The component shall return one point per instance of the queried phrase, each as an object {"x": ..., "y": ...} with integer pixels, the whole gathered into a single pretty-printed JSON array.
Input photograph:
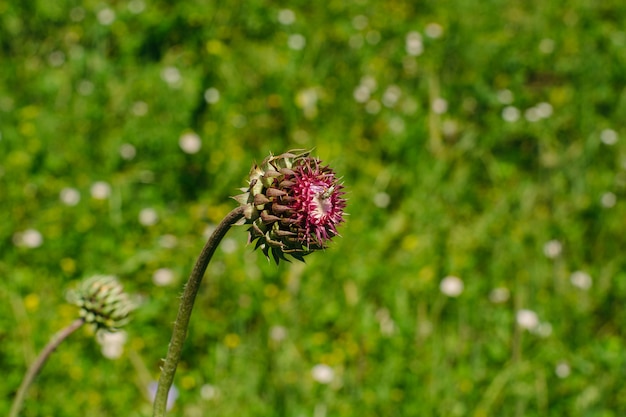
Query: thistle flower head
[
  {"x": 293, "y": 204},
  {"x": 102, "y": 302}
]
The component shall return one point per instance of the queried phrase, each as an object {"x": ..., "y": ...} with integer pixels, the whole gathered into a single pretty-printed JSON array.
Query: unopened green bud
[{"x": 102, "y": 302}]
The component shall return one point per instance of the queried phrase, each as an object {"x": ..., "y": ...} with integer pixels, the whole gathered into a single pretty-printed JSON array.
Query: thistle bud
[
  {"x": 293, "y": 204},
  {"x": 102, "y": 302}
]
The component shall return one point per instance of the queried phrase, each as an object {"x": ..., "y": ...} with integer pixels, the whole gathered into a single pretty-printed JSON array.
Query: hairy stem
[
  {"x": 35, "y": 368},
  {"x": 184, "y": 311}
]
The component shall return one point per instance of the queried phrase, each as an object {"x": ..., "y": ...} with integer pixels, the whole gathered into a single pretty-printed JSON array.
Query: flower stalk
[
  {"x": 36, "y": 367},
  {"x": 179, "y": 333}
]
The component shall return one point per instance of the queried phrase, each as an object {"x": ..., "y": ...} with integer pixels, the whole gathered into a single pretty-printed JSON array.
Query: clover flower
[
  {"x": 102, "y": 302},
  {"x": 293, "y": 204}
]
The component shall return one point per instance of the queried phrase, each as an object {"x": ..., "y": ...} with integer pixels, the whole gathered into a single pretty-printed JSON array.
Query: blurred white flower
[
  {"x": 397, "y": 125},
  {"x": 433, "y": 30},
  {"x": 296, "y": 41},
  {"x": 439, "y": 105},
  {"x": 127, "y": 151},
  {"x": 532, "y": 115},
  {"x": 381, "y": 199},
  {"x": 229, "y": 245},
  {"x": 451, "y": 286},
  {"x": 190, "y": 143},
  {"x": 85, "y": 87},
  {"x": 499, "y": 295},
  {"x": 212, "y": 95},
  {"x": 286, "y": 17},
  {"x": 450, "y": 128},
  {"x": 136, "y": 6},
  {"x": 552, "y": 249},
  {"x": 544, "y": 110},
  {"x": 608, "y": 199},
  {"x": 391, "y": 95},
  {"x": 581, "y": 279},
  {"x": 510, "y": 114},
  {"x": 163, "y": 277},
  {"x": 608, "y": 137},
  {"x": 413, "y": 44},
  {"x": 505, "y": 96},
  {"x": 527, "y": 319},
  {"x": 140, "y": 108},
  {"x": 106, "y": 16},
  {"x": 56, "y": 58},
  {"x": 360, "y": 22},
  {"x": 209, "y": 392},
  {"x": 540, "y": 111},
  {"x": 307, "y": 99},
  {"x": 562, "y": 370},
  {"x": 369, "y": 82},
  {"x": 323, "y": 373},
  {"x": 361, "y": 93},
  {"x": 69, "y": 196},
  {"x": 208, "y": 230},
  {"x": 112, "y": 343},
  {"x": 29, "y": 238},
  {"x": 168, "y": 241},
  {"x": 171, "y": 75},
  {"x": 278, "y": 333},
  {"x": 148, "y": 216},
  {"x": 100, "y": 190}
]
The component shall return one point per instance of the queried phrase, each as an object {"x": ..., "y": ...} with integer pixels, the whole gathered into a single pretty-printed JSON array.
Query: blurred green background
[{"x": 481, "y": 269}]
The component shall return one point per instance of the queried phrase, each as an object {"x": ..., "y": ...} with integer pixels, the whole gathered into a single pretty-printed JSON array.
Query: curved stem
[
  {"x": 35, "y": 368},
  {"x": 184, "y": 311}
]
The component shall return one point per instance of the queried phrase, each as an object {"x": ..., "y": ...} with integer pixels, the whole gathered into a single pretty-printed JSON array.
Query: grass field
[{"x": 481, "y": 271}]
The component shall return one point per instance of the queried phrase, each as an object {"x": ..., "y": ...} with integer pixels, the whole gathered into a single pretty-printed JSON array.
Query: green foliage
[{"x": 520, "y": 152}]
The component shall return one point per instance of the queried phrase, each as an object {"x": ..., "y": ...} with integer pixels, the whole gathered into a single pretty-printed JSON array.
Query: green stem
[
  {"x": 35, "y": 368},
  {"x": 179, "y": 333}
]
